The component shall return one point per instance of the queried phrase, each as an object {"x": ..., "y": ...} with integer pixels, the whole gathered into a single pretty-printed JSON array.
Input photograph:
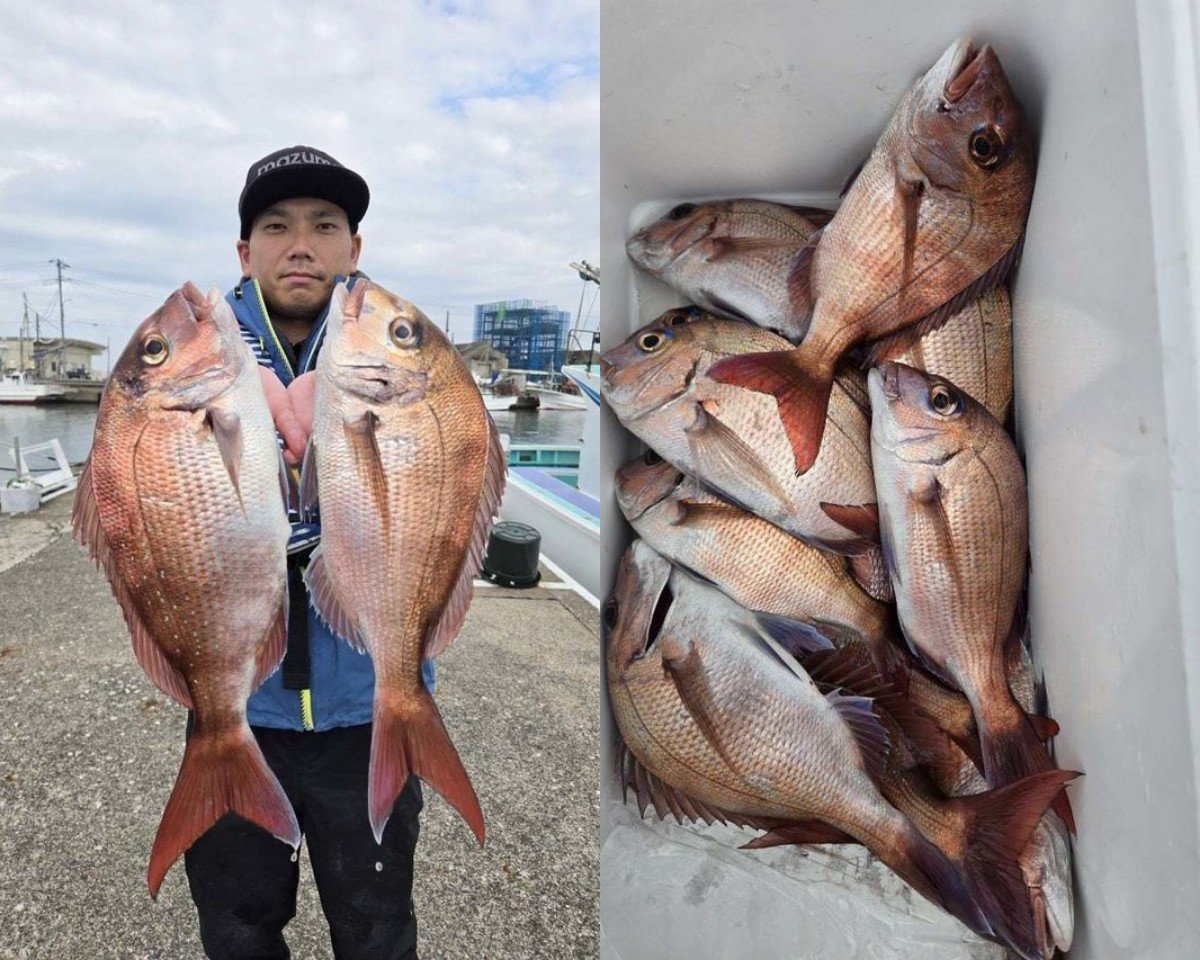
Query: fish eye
[
  {"x": 155, "y": 350},
  {"x": 944, "y": 400},
  {"x": 405, "y": 333},
  {"x": 611, "y": 612},
  {"x": 681, "y": 211},
  {"x": 986, "y": 146},
  {"x": 651, "y": 342},
  {"x": 677, "y": 319},
  {"x": 650, "y": 458}
]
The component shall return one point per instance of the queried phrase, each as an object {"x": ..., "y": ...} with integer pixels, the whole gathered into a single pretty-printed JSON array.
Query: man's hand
[{"x": 293, "y": 428}]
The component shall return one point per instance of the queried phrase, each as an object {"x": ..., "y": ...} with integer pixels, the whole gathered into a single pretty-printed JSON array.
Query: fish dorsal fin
[
  {"x": 308, "y": 483},
  {"x": 226, "y": 426},
  {"x": 799, "y": 280},
  {"x": 287, "y": 486},
  {"x": 328, "y": 603},
  {"x": 713, "y": 442},
  {"x": 85, "y": 525},
  {"x": 900, "y": 341},
  {"x": 849, "y": 668},
  {"x": 867, "y": 729},
  {"x": 494, "y": 473},
  {"x": 652, "y": 791}
]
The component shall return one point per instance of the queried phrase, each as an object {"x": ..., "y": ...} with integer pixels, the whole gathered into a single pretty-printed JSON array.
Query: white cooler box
[{"x": 707, "y": 98}]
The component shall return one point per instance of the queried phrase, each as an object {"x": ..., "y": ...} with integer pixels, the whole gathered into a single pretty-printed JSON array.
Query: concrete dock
[{"x": 89, "y": 749}]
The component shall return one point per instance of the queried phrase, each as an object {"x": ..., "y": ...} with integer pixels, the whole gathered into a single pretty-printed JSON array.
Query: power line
[{"x": 104, "y": 286}]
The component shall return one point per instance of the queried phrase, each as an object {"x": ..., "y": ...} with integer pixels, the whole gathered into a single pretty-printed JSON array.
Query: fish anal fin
[
  {"x": 89, "y": 533},
  {"x": 713, "y": 442},
  {"x": 900, "y": 341},
  {"x": 802, "y": 397},
  {"x": 328, "y": 603},
  {"x": 446, "y": 628},
  {"x": 686, "y": 670},
  {"x": 849, "y": 668},
  {"x": 220, "y": 774},
  {"x": 274, "y": 645},
  {"x": 411, "y": 738},
  {"x": 226, "y": 427},
  {"x": 861, "y": 519},
  {"x": 799, "y": 832}
]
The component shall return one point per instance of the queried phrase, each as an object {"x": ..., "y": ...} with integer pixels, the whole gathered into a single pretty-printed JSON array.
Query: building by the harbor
[
  {"x": 485, "y": 361},
  {"x": 531, "y": 334},
  {"x": 71, "y": 360}
]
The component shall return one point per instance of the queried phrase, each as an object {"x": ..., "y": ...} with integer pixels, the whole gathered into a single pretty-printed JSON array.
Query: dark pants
[{"x": 243, "y": 880}]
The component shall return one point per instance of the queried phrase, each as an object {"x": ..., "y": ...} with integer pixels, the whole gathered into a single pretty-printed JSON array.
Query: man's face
[{"x": 296, "y": 248}]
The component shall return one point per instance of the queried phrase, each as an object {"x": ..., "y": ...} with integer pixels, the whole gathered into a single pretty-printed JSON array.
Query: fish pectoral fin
[
  {"x": 691, "y": 680},
  {"x": 88, "y": 532},
  {"x": 227, "y": 429},
  {"x": 719, "y": 247},
  {"x": 495, "y": 473},
  {"x": 797, "y": 637},
  {"x": 714, "y": 443},
  {"x": 328, "y": 603},
  {"x": 869, "y": 733},
  {"x": 308, "y": 483},
  {"x": 364, "y": 446},
  {"x": 698, "y": 514},
  {"x": 862, "y": 518}
]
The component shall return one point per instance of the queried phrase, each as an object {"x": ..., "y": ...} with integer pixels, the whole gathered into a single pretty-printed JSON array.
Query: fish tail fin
[
  {"x": 1012, "y": 750},
  {"x": 222, "y": 772},
  {"x": 411, "y": 738},
  {"x": 999, "y": 826},
  {"x": 801, "y": 392},
  {"x": 933, "y": 875}
]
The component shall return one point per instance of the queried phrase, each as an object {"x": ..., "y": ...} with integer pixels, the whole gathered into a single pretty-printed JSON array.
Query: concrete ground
[{"x": 89, "y": 750}]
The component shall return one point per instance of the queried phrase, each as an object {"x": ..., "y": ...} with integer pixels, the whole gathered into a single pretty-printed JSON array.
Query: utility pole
[
  {"x": 62, "y": 320},
  {"x": 24, "y": 327}
]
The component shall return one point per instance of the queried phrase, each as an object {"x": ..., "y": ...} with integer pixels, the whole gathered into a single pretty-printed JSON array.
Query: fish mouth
[{"x": 965, "y": 68}]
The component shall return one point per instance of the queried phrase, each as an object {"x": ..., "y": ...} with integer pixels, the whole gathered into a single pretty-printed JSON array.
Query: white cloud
[{"x": 127, "y": 137}]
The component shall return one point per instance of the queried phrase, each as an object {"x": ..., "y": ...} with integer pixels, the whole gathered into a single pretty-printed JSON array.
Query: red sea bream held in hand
[
  {"x": 181, "y": 504},
  {"x": 409, "y": 471}
]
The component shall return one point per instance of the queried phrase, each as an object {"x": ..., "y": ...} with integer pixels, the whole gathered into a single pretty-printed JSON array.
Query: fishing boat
[{"x": 15, "y": 388}]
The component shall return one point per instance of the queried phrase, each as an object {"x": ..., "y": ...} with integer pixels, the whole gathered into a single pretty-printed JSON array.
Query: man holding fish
[{"x": 299, "y": 212}]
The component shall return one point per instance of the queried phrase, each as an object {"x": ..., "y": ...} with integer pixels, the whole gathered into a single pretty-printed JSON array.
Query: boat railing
[{"x": 52, "y": 481}]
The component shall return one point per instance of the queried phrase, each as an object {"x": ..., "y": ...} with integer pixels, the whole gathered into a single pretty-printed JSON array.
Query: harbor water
[{"x": 73, "y": 425}]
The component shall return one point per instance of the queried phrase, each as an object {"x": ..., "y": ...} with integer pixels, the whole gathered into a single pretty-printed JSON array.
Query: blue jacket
[{"x": 342, "y": 681}]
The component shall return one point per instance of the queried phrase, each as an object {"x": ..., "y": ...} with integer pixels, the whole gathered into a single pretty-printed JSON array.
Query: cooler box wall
[{"x": 706, "y": 99}]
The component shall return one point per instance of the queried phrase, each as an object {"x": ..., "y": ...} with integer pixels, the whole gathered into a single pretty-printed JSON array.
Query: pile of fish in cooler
[{"x": 820, "y": 632}]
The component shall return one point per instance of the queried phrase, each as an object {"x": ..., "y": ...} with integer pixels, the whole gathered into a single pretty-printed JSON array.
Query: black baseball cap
[{"x": 301, "y": 172}]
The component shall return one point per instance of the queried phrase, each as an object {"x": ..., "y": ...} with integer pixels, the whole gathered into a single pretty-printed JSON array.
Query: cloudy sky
[{"x": 125, "y": 140}]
